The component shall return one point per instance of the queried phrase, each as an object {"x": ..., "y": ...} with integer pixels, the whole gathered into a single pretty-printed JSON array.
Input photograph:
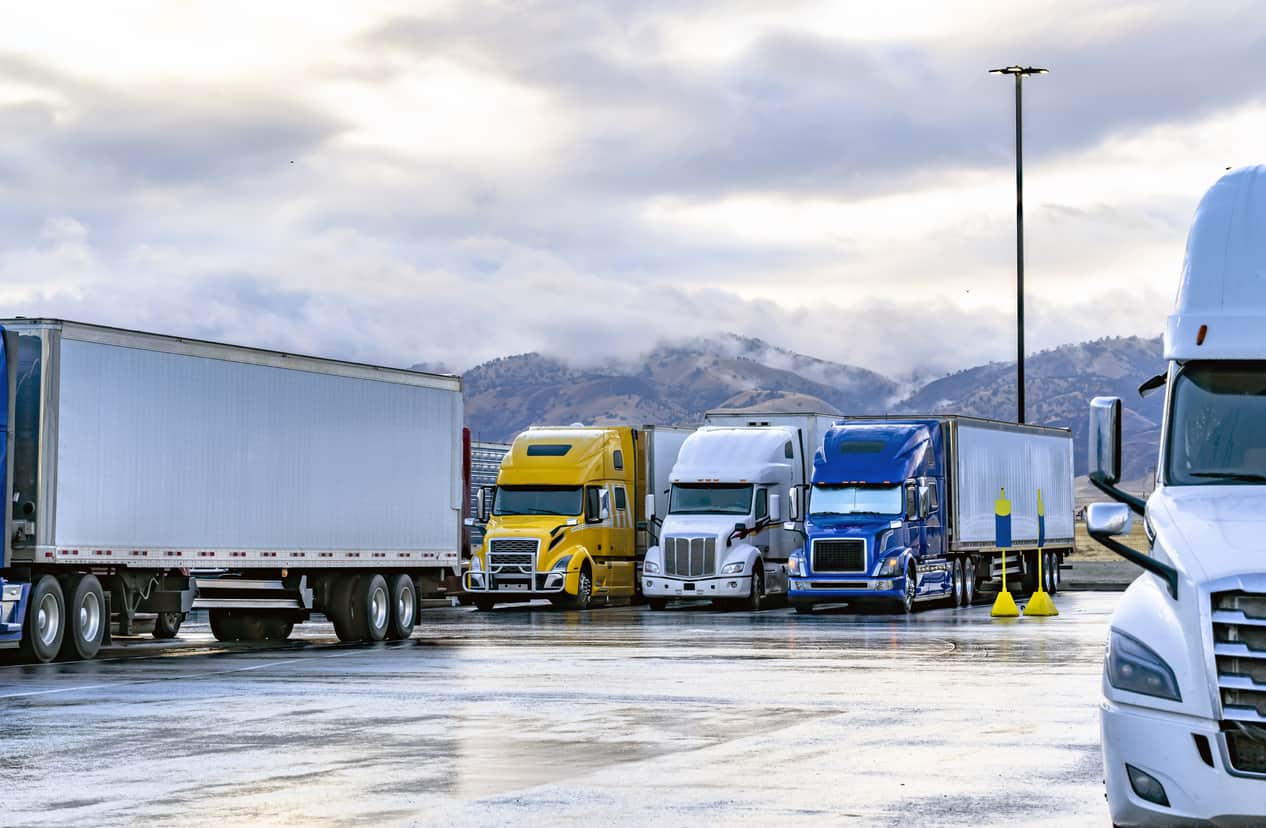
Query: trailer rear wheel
[
  {"x": 969, "y": 581},
  {"x": 225, "y": 625},
  {"x": 85, "y": 617},
  {"x": 167, "y": 624},
  {"x": 960, "y": 587},
  {"x": 404, "y": 607},
  {"x": 370, "y": 607},
  {"x": 338, "y": 604},
  {"x": 45, "y": 621},
  {"x": 275, "y": 627}
]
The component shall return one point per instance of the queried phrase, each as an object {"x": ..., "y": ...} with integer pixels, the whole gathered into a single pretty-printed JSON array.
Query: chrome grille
[
  {"x": 1239, "y": 648},
  {"x": 690, "y": 557},
  {"x": 513, "y": 545},
  {"x": 839, "y": 555}
]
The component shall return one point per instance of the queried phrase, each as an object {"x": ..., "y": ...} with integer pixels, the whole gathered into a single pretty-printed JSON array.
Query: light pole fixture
[{"x": 1019, "y": 72}]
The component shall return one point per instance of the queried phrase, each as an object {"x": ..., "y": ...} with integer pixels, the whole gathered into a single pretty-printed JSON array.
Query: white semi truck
[
  {"x": 732, "y": 488},
  {"x": 1184, "y": 708},
  {"x": 155, "y": 474}
]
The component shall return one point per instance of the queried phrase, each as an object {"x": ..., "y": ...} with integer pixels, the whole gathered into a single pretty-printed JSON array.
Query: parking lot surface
[{"x": 530, "y": 715}]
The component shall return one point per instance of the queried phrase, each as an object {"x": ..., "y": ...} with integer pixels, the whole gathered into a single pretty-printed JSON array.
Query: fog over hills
[{"x": 674, "y": 383}]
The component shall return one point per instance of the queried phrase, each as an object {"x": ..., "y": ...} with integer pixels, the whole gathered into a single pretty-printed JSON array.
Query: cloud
[{"x": 586, "y": 180}]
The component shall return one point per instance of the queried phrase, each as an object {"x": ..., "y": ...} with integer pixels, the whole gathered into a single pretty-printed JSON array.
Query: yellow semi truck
[{"x": 567, "y": 518}]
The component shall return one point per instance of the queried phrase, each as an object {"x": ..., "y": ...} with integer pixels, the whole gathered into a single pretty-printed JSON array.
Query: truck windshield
[
  {"x": 710, "y": 499},
  {"x": 538, "y": 500},
  {"x": 855, "y": 500},
  {"x": 1217, "y": 431}
]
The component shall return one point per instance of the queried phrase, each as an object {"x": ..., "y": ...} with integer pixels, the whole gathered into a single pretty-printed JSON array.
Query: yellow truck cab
[{"x": 566, "y": 520}]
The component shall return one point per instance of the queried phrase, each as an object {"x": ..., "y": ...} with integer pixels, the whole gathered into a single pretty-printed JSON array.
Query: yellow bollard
[
  {"x": 1004, "y": 605},
  {"x": 1040, "y": 603}
]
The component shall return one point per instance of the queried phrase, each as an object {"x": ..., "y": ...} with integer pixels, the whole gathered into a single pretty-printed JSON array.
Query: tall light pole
[{"x": 1019, "y": 72}]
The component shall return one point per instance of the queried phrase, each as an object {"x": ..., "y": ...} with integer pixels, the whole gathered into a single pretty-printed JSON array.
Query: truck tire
[
  {"x": 657, "y": 604},
  {"x": 905, "y": 604},
  {"x": 959, "y": 585},
  {"x": 404, "y": 607},
  {"x": 584, "y": 591},
  {"x": 225, "y": 626},
  {"x": 167, "y": 624},
  {"x": 484, "y": 604},
  {"x": 338, "y": 604},
  {"x": 275, "y": 627},
  {"x": 969, "y": 581},
  {"x": 85, "y": 617},
  {"x": 45, "y": 621},
  {"x": 1057, "y": 560},
  {"x": 370, "y": 607},
  {"x": 752, "y": 602},
  {"x": 1029, "y": 580},
  {"x": 803, "y": 609}
]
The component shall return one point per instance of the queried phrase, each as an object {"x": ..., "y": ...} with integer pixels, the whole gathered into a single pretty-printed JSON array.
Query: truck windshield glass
[
  {"x": 538, "y": 500},
  {"x": 711, "y": 499},
  {"x": 856, "y": 500},
  {"x": 1217, "y": 433}
]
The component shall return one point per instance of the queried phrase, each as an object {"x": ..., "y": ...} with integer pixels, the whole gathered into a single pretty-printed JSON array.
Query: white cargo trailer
[{"x": 139, "y": 460}]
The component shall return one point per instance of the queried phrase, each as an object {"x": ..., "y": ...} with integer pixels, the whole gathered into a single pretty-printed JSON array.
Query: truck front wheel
[
  {"x": 45, "y": 621},
  {"x": 167, "y": 624},
  {"x": 584, "y": 590},
  {"x": 85, "y": 617},
  {"x": 905, "y": 604}
]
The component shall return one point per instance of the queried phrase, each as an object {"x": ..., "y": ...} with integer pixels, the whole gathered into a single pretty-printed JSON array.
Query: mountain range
[{"x": 676, "y": 382}]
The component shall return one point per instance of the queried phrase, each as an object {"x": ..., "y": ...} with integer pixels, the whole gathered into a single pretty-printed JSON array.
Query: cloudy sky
[{"x": 449, "y": 182}]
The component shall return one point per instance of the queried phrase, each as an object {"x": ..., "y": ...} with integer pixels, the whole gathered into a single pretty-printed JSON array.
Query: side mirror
[
  {"x": 793, "y": 508},
  {"x": 481, "y": 504},
  {"x": 1108, "y": 519},
  {"x": 912, "y": 502},
  {"x": 775, "y": 508},
  {"x": 1105, "y": 439},
  {"x": 650, "y": 506},
  {"x": 1104, "y": 451},
  {"x": 604, "y": 509},
  {"x": 925, "y": 502}
]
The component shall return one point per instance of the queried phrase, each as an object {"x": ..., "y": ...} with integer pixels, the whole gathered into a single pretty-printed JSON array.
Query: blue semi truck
[{"x": 902, "y": 511}]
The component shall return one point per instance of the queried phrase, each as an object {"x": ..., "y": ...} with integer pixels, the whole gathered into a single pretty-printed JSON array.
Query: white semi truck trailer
[
  {"x": 1184, "y": 686},
  {"x": 154, "y": 474}
]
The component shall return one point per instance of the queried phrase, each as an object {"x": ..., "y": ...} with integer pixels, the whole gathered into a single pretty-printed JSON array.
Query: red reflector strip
[{"x": 1200, "y": 334}]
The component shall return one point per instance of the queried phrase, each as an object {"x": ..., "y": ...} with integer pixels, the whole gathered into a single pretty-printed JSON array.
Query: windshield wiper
[{"x": 1247, "y": 477}]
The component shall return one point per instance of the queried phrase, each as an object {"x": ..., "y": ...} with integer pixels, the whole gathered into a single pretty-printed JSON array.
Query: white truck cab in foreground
[{"x": 1184, "y": 708}]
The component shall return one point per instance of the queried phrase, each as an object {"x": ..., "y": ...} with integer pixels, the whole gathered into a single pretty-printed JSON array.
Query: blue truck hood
[{"x": 850, "y": 527}]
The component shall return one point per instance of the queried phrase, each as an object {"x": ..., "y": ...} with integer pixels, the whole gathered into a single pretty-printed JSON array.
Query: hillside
[{"x": 675, "y": 383}]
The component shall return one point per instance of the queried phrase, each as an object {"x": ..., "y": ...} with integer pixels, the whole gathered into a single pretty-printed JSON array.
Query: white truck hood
[{"x": 1211, "y": 532}]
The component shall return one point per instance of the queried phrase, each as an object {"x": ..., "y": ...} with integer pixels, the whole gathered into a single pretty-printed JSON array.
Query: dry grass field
[{"x": 1089, "y": 550}]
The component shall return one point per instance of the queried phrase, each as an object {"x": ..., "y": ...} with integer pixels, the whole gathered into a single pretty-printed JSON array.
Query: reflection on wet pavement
[{"x": 532, "y": 715}]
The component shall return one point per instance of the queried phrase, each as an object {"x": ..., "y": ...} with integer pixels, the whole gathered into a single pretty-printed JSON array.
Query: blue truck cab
[{"x": 875, "y": 517}]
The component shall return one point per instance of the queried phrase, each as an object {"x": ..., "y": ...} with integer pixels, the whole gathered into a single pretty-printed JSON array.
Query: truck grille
[
  {"x": 839, "y": 555},
  {"x": 690, "y": 557},
  {"x": 1239, "y": 647},
  {"x": 512, "y": 554}
]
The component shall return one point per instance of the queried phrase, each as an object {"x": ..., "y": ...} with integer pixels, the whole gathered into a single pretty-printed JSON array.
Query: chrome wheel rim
[
  {"x": 969, "y": 582},
  {"x": 960, "y": 589},
  {"x": 89, "y": 618},
  {"x": 404, "y": 607},
  {"x": 48, "y": 620},
  {"x": 909, "y": 590},
  {"x": 378, "y": 604}
]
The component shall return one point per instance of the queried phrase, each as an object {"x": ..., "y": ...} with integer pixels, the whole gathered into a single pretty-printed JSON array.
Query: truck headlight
[
  {"x": 795, "y": 565},
  {"x": 733, "y": 568},
  {"x": 891, "y": 566},
  {"x": 651, "y": 567},
  {"x": 561, "y": 563},
  {"x": 1132, "y": 665}
]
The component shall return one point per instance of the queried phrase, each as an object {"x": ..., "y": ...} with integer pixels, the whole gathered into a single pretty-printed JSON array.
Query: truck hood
[
  {"x": 1210, "y": 532},
  {"x": 718, "y": 526},
  {"x": 851, "y": 527}
]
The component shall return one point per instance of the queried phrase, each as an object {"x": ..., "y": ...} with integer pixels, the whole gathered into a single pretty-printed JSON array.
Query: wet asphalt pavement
[{"x": 537, "y": 716}]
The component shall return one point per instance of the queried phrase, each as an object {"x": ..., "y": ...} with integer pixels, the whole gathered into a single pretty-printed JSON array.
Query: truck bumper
[
  {"x": 1165, "y": 746},
  {"x": 835, "y": 589},
  {"x": 721, "y": 586},
  {"x": 543, "y": 585}
]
